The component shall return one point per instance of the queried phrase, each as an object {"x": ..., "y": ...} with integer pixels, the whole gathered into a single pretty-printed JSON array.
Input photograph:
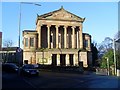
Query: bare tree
[
  {"x": 8, "y": 43},
  {"x": 105, "y": 46}
]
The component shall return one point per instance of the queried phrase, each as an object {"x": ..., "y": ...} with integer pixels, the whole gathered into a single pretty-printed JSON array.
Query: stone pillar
[
  {"x": 52, "y": 40},
  {"x": 35, "y": 42},
  {"x": 39, "y": 36},
  {"x": 73, "y": 37},
  {"x": 58, "y": 59},
  {"x": 77, "y": 39},
  {"x": 89, "y": 43},
  {"x": 65, "y": 36},
  {"x": 48, "y": 34},
  {"x": 80, "y": 37},
  {"x": 57, "y": 36},
  {"x": 59, "y": 46},
  {"x": 28, "y": 42},
  {"x": 74, "y": 61},
  {"x": 67, "y": 60}
]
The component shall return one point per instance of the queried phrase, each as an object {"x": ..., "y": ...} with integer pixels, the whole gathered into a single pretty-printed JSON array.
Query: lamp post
[
  {"x": 114, "y": 56},
  {"x": 20, "y": 18},
  {"x": 108, "y": 66},
  {"x": 20, "y": 25}
]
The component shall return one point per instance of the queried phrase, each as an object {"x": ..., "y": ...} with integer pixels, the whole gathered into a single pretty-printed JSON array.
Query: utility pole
[{"x": 114, "y": 56}]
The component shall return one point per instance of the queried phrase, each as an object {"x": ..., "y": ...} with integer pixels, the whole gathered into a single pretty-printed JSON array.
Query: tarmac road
[{"x": 59, "y": 80}]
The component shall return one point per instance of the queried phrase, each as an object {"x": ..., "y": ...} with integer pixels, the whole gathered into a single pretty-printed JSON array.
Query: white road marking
[{"x": 29, "y": 83}]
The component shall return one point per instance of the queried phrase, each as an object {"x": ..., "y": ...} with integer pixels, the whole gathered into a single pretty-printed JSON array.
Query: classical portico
[{"x": 58, "y": 38}]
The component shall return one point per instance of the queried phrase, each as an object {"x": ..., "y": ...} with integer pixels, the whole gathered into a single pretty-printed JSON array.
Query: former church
[{"x": 58, "y": 40}]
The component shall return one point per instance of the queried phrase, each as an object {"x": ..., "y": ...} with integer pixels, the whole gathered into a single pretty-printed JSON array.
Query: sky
[{"x": 101, "y": 17}]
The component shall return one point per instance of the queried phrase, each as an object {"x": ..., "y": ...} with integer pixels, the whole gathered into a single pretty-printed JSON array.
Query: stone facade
[{"x": 57, "y": 40}]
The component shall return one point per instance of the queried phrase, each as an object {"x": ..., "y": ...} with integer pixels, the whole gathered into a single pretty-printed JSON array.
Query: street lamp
[
  {"x": 114, "y": 55},
  {"x": 108, "y": 66},
  {"x": 20, "y": 24},
  {"x": 20, "y": 17}
]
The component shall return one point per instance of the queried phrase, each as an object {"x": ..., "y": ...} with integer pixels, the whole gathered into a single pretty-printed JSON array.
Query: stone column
[
  {"x": 80, "y": 37},
  {"x": 58, "y": 59},
  {"x": 48, "y": 34},
  {"x": 67, "y": 60},
  {"x": 65, "y": 36},
  {"x": 59, "y": 46},
  {"x": 77, "y": 39},
  {"x": 39, "y": 36},
  {"x": 28, "y": 42},
  {"x": 89, "y": 43},
  {"x": 56, "y": 36},
  {"x": 73, "y": 37},
  {"x": 52, "y": 40},
  {"x": 74, "y": 61},
  {"x": 35, "y": 42}
]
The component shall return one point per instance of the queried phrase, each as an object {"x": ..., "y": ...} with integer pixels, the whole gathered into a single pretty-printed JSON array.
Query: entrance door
[
  {"x": 71, "y": 59},
  {"x": 62, "y": 59},
  {"x": 54, "y": 59}
]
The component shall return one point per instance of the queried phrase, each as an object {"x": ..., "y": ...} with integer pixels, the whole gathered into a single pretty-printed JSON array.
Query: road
[{"x": 59, "y": 80}]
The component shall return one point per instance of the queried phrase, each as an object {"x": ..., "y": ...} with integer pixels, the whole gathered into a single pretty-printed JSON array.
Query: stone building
[
  {"x": 58, "y": 40},
  {"x": 12, "y": 55}
]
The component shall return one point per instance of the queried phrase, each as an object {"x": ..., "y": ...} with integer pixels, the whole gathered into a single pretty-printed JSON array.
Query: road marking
[{"x": 29, "y": 83}]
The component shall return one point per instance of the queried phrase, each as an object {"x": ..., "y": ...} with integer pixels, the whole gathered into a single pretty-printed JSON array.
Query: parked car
[
  {"x": 10, "y": 67},
  {"x": 29, "y": 70}
]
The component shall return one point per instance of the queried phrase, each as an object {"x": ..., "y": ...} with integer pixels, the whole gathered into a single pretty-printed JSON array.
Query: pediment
[{"x": 61, "y": 14}]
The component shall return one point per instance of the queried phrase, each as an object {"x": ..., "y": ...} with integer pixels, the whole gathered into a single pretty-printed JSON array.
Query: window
[
  {"x": 26, "y": 42},
  {"x": 31, "y": 42},
  {"x": 86, "y": 43}
]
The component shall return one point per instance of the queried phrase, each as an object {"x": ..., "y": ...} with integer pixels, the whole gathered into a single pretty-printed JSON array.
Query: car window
[{"x": 28, "y": 67}]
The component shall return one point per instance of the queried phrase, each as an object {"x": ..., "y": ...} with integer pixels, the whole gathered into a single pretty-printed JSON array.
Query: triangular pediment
[{"x": 61, "y": 14}]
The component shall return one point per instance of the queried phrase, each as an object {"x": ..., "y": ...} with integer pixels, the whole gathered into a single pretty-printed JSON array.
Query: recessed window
[
  {"x": 86, "y": 43},
  {"x": 26, "y": 42},
  {"x": 31, "y": 42}
]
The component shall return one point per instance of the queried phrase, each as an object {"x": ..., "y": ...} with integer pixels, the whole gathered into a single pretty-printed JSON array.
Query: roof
[
  {"x": 9, "y": 48},
  {"x": 87, "y": 34},
  {"x": 29, "y": 31},
  {"x": 60, "y": 14}
]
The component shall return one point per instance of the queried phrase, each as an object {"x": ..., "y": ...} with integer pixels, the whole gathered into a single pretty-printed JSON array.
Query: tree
[
  {"x": 8, "y": 43},
  {"x": 105, "y": 46},
  {"x": 110, "y": 56}
]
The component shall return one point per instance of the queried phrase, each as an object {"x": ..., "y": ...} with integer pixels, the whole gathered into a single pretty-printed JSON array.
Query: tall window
[
  {"x": 31, "y": 42},
  {"x": 86, "y": 43},
  {"x": 26, "y": 42}
]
